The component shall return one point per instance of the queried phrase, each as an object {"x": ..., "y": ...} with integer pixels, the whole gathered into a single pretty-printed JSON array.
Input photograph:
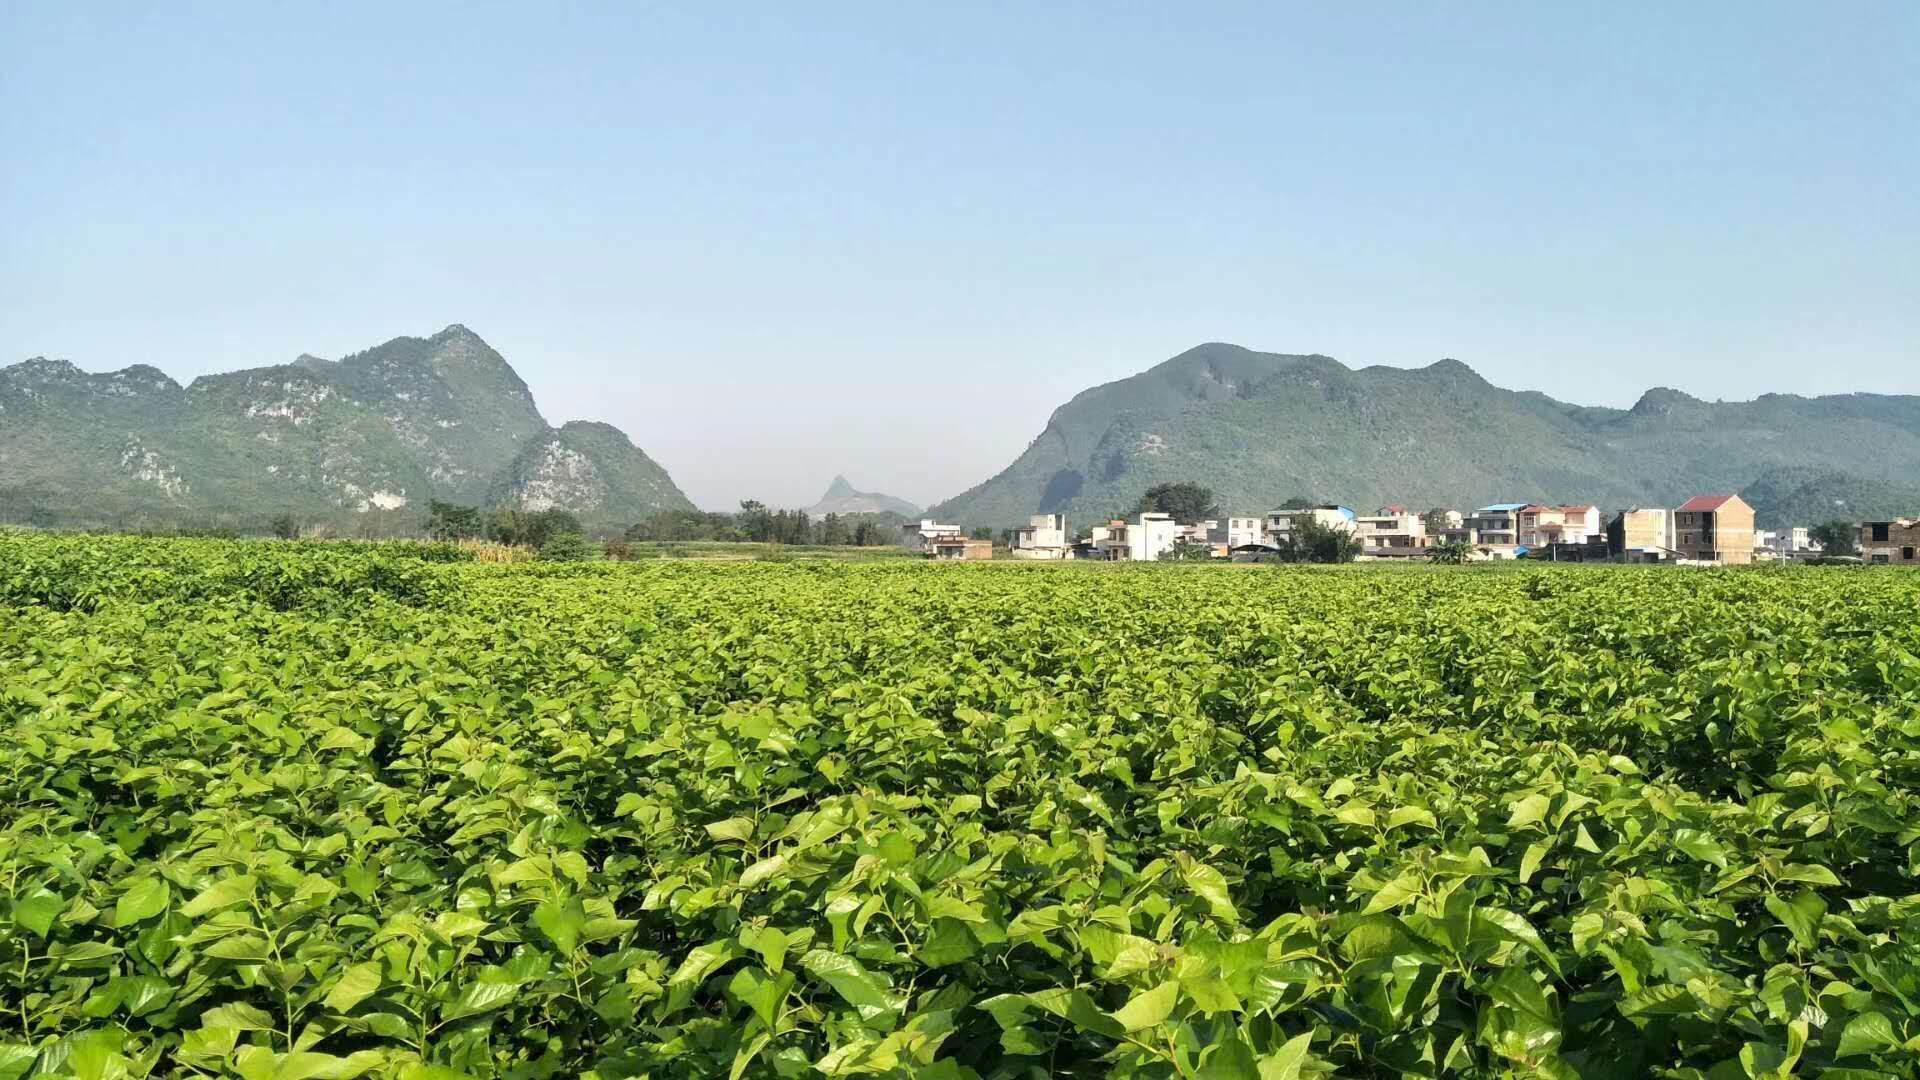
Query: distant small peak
[
  {"x": 1662, "y": 400},
  {"x": 1205, "y": 352},
  {"x": 145, "y": 373},
  {"x": 1449, "y": 366},
  {"x": 456, "y": 331},
  {"x": 840, "y": 488}
]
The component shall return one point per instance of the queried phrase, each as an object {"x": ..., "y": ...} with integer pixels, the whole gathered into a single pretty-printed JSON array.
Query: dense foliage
[
  {"x": 756, "y": 523},
  {"x": 1185, "y": 501},
  {"x": 1450, "y": 552},
  {"x": 679, "y": 820},
  {"x": 1836, "y": 537},
  {"x": 1797, "y": 495},
  {"x": 1311, "y": 542},
  {"x": 84, "y": 573}
]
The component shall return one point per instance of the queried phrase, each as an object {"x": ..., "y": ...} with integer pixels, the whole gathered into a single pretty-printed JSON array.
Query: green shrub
[{"x": 568, "y": 547}]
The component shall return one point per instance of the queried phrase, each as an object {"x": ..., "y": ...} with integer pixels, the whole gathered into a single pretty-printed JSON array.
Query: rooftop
[{"x": 1701, "y": 504}]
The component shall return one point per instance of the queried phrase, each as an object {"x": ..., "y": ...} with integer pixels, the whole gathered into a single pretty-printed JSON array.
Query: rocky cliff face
[
  {"x": 588, "y": 468},
  {"x": 443, "y": 417}
]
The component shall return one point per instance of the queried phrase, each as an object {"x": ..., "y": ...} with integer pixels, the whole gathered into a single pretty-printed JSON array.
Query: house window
[
  {"x": 1906, "y": 554},
  {"x": 1880, "y": 531},
  {"x": 1879, "y": 558}
]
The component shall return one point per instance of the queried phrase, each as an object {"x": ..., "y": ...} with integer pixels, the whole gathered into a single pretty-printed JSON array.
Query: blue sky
[{"x": 776, "y": 242}]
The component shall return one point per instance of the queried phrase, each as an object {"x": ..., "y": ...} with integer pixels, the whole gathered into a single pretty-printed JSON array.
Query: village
[{"x": 1707, "y": 530}]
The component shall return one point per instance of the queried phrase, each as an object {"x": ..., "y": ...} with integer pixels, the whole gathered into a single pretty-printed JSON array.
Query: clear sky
[{"x": 779, "y": 241}]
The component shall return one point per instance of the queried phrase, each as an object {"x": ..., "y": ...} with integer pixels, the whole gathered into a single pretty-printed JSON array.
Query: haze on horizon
[{"x": 774, "y": 244}]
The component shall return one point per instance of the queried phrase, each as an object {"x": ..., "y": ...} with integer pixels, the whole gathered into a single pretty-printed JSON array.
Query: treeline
[
  {"x": 757, "y": 523},
  {"x": 523, "y": 528},
  {"x": 754, "y": 523}
]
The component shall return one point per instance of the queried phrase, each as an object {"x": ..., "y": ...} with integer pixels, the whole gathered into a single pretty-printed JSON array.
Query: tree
[
  {"x": 451, "y": 521},
  {"x": 531, "y": 528},
  {"x": 754, "y": 521},
  {"x": 505, "y": 526},
  {"x": 1835, "y": 537},
  {"x": 1311, "y": 542},
  {"x": 285, "y": 526},
  {"x": 1298, "y": 502},
  {"x": 1450, "y": 552},
  {"x": 791, "y": 527},
  {"x": 567, "y": 547},
  {"x": 1183, "y": 500},
  {"x": 684, "y": 525},
  {"x": 1187, "y": 549},
  {"x": 981, "y": 532},
  {"x": 548, "y": 524}
]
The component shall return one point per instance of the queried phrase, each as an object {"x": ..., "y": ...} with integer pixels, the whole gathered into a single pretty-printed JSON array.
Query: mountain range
[
  {"x": 446, "y": 417},
  {"x": 443, "y": 417},
  {"x": 1258, "y": 428},
  {"x": 841, "y": 498}
]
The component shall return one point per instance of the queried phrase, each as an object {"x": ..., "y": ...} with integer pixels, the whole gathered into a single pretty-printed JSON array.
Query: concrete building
[
  {"x": 1892, "y": 543},
  {"x": 1540, "y": 525},
  {"x": 1642, "y": 535},
  {"x": 1203, "y": 533},
  {"x": 1281, "y": 523},
  {"x": 1237, "y": 532},
  {"x": 1397, "y": 531},
  {"x": 1714, "y": 528},
  {"x": 1142, "y": 540},
  {"x": 1497, "y": 525},
  {"x": 1782, "y": 543},
  {"x": 1044, "y": 536},
  {"x": 919, "y": 538},
  {"x": 954, "y": 548}
]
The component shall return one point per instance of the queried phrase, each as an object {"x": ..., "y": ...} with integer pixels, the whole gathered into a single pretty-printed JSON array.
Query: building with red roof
[{"x": 1714, "y": 528}]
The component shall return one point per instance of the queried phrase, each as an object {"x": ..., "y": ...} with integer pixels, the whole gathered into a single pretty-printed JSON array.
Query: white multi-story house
[
  {"x": 1782, "y": 543},
  {"x": 1044, "y": 536},
  {"x": 1235, "y": 532},
  {"x": 1142, "y": 540},
  {"x": 919, "y": 538}
]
